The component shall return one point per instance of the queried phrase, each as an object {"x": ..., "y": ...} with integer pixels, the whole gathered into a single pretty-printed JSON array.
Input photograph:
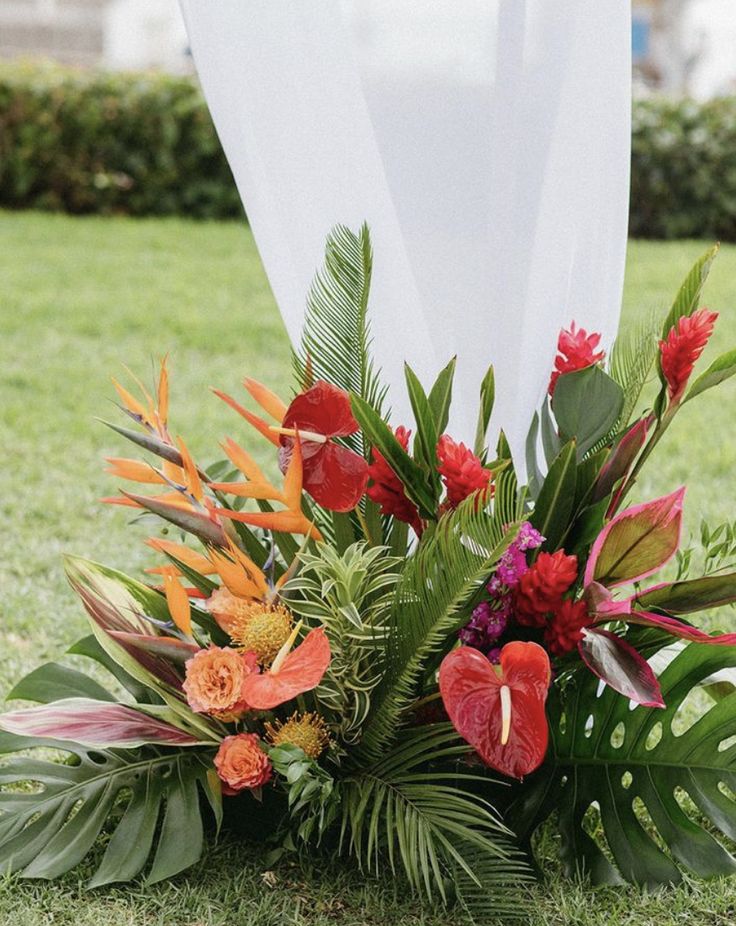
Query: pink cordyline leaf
[
  {"x": 621, "y": 459},
  {"x": 96, "y": 724},
  {"x": 679, "y": 628},
  {"x": 620, "y": 666},
  {"x": 637, "y": 542}
]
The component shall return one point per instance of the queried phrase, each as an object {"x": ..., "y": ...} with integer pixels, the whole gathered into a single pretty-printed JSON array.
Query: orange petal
[
  {"x": 268, "y": 400},
  {"x": 135, "y": 470},
  {"x": 260, "y": 490},
  {"x": 243, "y": 461},
  {"x": 257, "y": 575},
  {"x": 293, "y": 478},
  {"x": 302, "y": 670},
  {"x": 235, "y": 578},
  {"x": 163, "y": 393},
  {"x": 194, "y": 483},
  {"x": 178, "y": 602},
  {"x": 173, "y": 472},
  {"x": 132, "y": 404},
  {"x": 190, "y": 558},
  {"x": 258, "y": 423},
  {"x": 287, "y": 522}
]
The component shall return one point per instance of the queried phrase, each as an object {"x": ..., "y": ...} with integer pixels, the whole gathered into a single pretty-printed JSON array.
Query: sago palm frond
[
  {"x": 415, "y": 810},
  {"x": 439, "y": 582},
  {"x": 336, "y": 340}
]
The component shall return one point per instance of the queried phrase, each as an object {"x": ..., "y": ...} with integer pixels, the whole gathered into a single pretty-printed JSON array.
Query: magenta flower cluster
[{"x": 490, "y": 618}]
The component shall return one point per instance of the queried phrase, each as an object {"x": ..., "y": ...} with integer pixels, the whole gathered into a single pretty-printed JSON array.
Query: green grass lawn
[{"x": 81, "y": 297}]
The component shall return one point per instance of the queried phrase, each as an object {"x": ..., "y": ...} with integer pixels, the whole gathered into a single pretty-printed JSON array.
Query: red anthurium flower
[
  {"x": 292, "y": 672},
  {"x": 387, "y": 490},
  {"x": 461, "y": 470},
  {"x": 334, "y": 476},
  {"x": 500, "y": 710},
  {"x": 681, "y": 349},
  {"x": 576, "y": 350}
]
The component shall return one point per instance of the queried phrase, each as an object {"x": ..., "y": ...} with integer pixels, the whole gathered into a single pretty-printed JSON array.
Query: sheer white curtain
[{"x": 486, "y": 142}]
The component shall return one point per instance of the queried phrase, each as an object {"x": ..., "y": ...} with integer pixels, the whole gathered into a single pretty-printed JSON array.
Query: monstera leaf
[
  {"x": 639, "y": 777},
  {"x": 48, "y": 830}
]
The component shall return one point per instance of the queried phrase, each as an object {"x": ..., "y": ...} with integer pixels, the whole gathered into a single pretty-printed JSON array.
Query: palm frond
[
  {"x": 336, "y": 340},
  {"x": 632, "y": 360},
  {"x": 453, "y": 561},
  {"x": 416, "y": 811}
]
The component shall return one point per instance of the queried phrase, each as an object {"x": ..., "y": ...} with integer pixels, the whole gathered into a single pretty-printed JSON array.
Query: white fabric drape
[{"x": 486, "y": 143}]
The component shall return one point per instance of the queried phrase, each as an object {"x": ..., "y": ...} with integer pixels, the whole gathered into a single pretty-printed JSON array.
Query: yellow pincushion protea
[
  {"x": 307, "y": 731},
  {"x": 260, "y": 628}
]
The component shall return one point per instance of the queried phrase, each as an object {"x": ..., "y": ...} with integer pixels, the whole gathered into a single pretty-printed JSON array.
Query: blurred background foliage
[{"x": 88, "y": 141}]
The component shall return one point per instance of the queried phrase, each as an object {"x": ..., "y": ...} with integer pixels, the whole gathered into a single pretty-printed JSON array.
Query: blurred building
[
  {"x": 113, "y": 33},
  {"x": 684, "y": 46}
]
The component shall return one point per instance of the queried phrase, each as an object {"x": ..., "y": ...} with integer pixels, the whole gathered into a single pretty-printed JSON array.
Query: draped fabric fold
[{"x": 486, "y": 143}]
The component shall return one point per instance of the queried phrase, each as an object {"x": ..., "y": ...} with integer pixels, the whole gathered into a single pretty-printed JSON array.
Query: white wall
[{"x": 145, "y": 33}]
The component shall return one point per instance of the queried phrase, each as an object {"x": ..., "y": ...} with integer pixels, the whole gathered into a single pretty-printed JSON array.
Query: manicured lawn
[{"x": 79, "y": 298}]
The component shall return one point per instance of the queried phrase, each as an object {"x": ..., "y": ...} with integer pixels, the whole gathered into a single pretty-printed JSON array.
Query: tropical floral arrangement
[{"x": 399, "y": 648}]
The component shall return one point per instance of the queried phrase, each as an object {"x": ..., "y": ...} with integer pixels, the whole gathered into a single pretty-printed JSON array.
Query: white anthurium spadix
[{"x": 485, "y": 143}]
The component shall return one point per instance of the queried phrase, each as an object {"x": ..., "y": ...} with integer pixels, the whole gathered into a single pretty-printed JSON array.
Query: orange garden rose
[
  {"x": 215, "y": 678},
  {"x": 242, "y": 764}
]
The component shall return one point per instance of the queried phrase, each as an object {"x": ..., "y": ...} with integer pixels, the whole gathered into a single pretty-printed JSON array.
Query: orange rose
[
  {"x": 215, "y": 678},
  {"x": 242, "y": 764}
]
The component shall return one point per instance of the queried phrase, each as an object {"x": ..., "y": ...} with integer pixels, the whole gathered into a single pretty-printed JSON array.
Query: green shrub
[
  {"x": 82, "y": 141},
  {"x": 144, "y": 144},
  {"x": 683, "y": 182}
]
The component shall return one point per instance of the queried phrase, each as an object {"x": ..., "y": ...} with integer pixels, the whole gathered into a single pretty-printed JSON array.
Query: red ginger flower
[
  {"x": 542, "y": 586},
  {"x": 565, "y": 630},
  {"x": 461, "y": 471},
  {"x": 683, "y": 346},
  {"x": 575, "y": 351},
  {"x": 334, "y": 476},
  {"x": 386, "y": 488},
  {"x": 241, "y": 763}
]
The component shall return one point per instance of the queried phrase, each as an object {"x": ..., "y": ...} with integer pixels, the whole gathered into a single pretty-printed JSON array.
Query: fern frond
[
  {"x": 451, "y": 564},
  {"x": 416, "y": 810},
  {"x": 632, "y": 360},
  {"x": 336, "y": 341}
]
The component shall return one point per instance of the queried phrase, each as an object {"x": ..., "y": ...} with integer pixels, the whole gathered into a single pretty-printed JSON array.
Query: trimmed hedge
[
  {"x": 683, "y": 170},
  {"x": 144, "y": 144},
  {"x": 84, "y": 141}
]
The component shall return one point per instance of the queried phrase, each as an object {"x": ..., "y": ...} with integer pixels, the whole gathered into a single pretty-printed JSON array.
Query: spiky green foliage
[
  {"x": 439, "y": 582},
  {"x": 336, "y": 338},
  {"x": 639, "y": 773},
  {"x": 349, "y": 595},
  {"x": 416, "y": 810},
  {"x": 632, "y": 360}
]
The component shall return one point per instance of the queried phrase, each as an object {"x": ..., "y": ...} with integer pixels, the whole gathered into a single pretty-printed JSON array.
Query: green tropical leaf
[
  {"x": 427, "y": 433},
  {"x": 688, "y": 296},
  {"x": 440, "y": 396},
  {"x": 430, "y": 823},
  {"x": 413, "y": 477},
  {"x": 587, "y": 405},
  {"x": 439, "y": 583},
  {"x": 551, "y": 515},
  {"x": 487, "y": 400},
  {"x": 691, "y": 595},
  {"x": 336, "y": 340},
  {"x": 658, "y": 793},
  {"x": 53, "y": 682},
  {"x": 721, "y": 369},
  {"x": 47, "y": 831}
]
